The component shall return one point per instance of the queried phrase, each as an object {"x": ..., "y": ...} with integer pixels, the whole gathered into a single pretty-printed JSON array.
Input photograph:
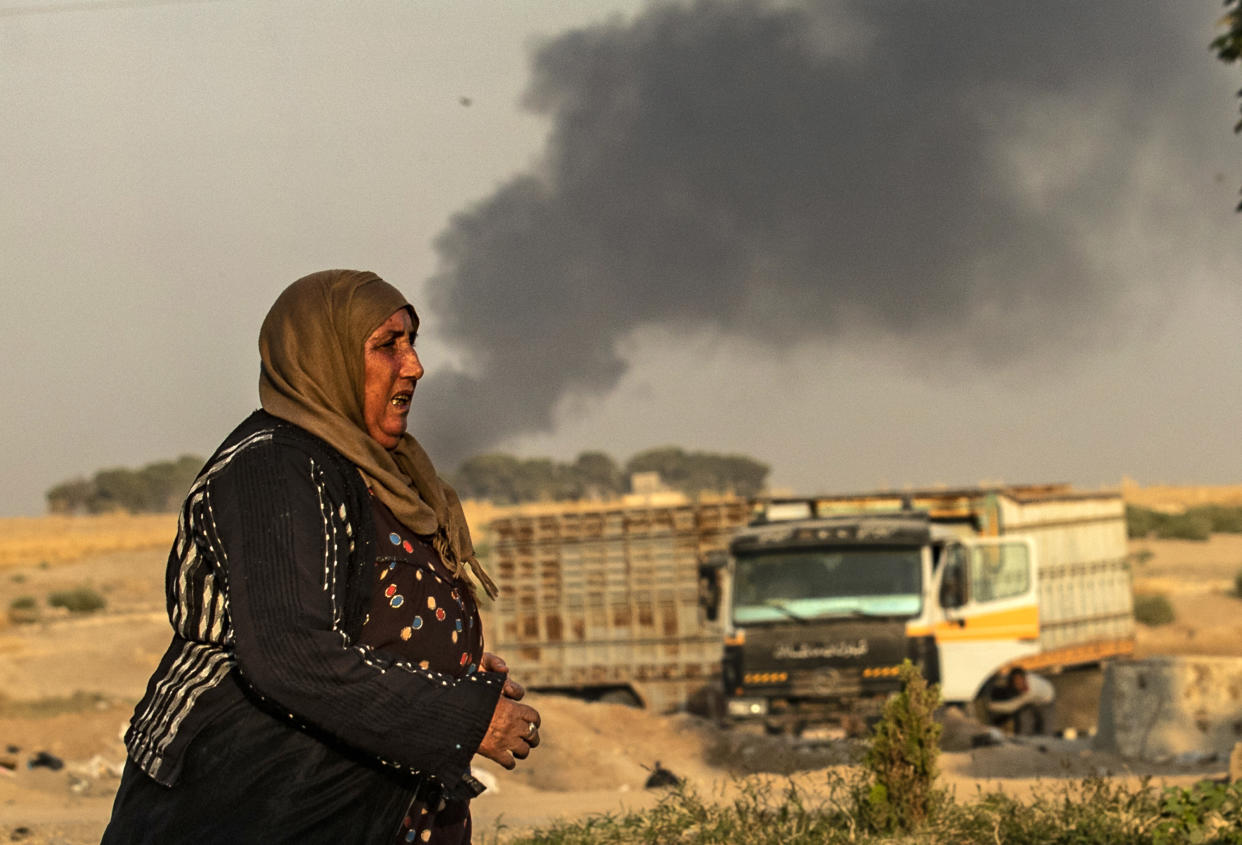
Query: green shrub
[
  {"x": 24, "y": 609},
  {"x": 77, "y": 600},
  {"x": 1197, "y": 523},
  {"x": 901, "y": 761},
  {"x": 1140, "y": 522},
  {"x": 1153, "y": 609},
  {"x": 1206, "y": 812},
  {"x": 1087, "y": 812},
  {"x": 1224, "y": 519},
  {"x": 1192, "y": 525}
]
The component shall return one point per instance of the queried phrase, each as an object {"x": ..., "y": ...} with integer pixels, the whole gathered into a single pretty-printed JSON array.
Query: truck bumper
[
  {"x": 746, "y": 708},
  {"x": 785, "y": 715}
]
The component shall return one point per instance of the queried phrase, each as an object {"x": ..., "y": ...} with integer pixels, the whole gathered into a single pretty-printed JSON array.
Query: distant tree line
[
  {"x": 505, "y": 479},
  {"x": 155, "y": 488},
  {"x": 1197, "y": 523}
]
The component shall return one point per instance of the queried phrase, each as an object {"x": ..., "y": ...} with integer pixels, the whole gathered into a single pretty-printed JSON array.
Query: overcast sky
[{"x": 871, "y": 244}]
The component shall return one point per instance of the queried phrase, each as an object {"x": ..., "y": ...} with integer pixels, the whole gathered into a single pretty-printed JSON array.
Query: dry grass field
[
  {"x": 68, "y": 682},
  {"x": 1174, "y": 498},
  {"x": 27, "y": 541}
]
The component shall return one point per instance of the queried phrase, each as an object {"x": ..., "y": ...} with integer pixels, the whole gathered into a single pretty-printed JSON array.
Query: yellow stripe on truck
[{"x": 1015, "y": 623}]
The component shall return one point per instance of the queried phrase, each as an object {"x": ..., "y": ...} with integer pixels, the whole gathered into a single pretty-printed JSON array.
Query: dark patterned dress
[{"x": 420, "y": 613}]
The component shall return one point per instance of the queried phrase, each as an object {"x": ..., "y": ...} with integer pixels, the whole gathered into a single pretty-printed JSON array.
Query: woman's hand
[
  {"x": 495, "y": 663},
  {"x": 513, "y": 732}
]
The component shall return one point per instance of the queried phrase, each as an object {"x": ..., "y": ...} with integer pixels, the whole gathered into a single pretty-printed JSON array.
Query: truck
[
  {"x": 798, "y": 611},
  {"x": 827, "y": 596},
  {"x": 614, "y": 602}
]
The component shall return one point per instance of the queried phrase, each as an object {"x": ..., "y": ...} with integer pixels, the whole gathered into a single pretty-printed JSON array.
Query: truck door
[{"x": 989, "y": 611}]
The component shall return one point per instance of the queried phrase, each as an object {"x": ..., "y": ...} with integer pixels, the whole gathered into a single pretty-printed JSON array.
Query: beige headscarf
[{"x": 311, "y": 346}]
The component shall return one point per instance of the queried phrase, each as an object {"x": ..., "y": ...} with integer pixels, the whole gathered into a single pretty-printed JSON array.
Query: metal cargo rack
[{"x": 608, "y": 598}]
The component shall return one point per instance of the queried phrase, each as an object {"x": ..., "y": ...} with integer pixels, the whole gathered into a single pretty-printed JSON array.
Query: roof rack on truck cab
[{"x": 968, "y": 505}]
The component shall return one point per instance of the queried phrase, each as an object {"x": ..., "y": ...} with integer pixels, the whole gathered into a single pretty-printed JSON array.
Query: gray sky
[{"x": 870, "y": 244}]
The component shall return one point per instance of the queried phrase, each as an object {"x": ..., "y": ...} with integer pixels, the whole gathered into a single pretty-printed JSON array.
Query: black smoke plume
[{"x": 784, "y": 171}]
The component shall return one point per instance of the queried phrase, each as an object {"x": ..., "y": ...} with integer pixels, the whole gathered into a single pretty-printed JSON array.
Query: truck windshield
[{"x": 778, "y": 585}]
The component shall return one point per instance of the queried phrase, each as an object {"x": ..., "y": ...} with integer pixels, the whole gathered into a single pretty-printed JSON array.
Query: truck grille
[{"x": 825, "y": 682}]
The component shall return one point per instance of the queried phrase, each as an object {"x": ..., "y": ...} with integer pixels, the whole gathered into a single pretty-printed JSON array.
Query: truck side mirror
[
  {"x": 952, "y": 586},
  {"x": 951, "y": 594},
  {"x": 953, "y": 577}
]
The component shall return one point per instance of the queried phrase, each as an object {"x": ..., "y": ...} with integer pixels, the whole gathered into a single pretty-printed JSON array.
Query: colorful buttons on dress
[{"x": 411, "y": 573}]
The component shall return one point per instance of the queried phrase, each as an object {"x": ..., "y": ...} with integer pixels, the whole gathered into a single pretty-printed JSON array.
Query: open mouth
[{"x": 401, "y": 400}]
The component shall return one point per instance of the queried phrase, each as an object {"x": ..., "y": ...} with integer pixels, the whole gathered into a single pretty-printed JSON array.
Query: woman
[{"x": 326, "y": 680}]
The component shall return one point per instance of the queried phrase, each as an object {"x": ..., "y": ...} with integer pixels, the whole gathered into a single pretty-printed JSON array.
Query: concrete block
[{"x": 1171, "y": 707}]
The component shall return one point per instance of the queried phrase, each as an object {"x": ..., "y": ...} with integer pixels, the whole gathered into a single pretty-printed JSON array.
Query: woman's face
[{"x": 391, "y": 370}]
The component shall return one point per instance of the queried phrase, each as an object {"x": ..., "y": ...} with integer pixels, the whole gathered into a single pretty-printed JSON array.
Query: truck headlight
[{"x": 742, "y": 707}]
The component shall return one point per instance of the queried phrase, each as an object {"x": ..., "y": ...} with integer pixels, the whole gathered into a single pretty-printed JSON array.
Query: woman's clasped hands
[{"x": 514, "y": 729}]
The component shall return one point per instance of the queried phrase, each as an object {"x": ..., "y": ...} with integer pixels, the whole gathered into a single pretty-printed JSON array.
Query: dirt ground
[
  {"x": 68, "y": 683},
  {"x": 1198, "y": 578}
]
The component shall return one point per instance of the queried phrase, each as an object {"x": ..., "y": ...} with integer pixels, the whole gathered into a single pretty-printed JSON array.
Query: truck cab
[
  {"x": 822, "y": 611},
  {"x": 987, "y": 610}
]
